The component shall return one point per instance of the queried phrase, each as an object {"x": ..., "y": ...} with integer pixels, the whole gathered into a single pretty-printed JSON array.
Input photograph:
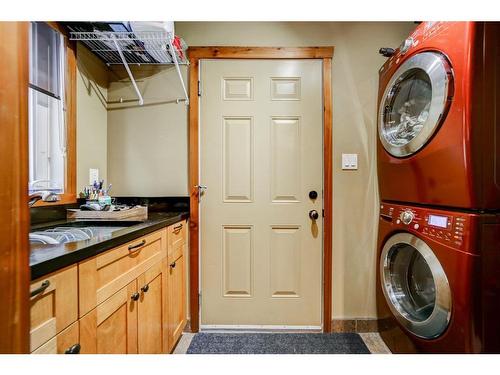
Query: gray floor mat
[{"x": 277, "y": 343}]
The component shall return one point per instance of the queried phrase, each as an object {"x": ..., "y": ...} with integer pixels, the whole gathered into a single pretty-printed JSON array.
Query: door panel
[
  {"x": 237, "y": 261},
  {"x": 285, "y": 157},
  {"x": 238, "y": 159},
  {"x": 260, "y": 156}
]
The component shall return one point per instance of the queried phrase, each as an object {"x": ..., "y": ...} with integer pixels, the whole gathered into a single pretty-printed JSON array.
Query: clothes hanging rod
[{"x": 125, "y": 101}]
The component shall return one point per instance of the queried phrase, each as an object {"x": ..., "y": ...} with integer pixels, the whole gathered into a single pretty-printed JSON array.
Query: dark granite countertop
[{"x": 45, "y": 259}]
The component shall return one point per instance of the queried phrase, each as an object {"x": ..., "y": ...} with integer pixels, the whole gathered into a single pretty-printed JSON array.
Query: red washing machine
[
  {"x": 439, "y": 117},
  {"x": 438, "y": 289}
]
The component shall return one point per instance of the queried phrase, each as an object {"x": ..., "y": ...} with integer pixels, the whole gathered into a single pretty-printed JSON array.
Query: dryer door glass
[
  {"x": 415, "y": 285},
  {"x": 414, "y": 103}
]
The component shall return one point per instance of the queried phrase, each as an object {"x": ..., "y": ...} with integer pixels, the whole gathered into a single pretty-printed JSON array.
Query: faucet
[{"x": 46, "y": 196}]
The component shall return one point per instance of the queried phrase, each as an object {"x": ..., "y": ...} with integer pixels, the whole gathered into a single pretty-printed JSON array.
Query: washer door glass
[
  {"x": 414, "y": 103},
  {"x": 415, "y": 286},
  {"x": 412, "y": 282}
]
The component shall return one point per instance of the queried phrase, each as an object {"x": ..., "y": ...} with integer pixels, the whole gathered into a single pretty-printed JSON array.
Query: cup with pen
[{"x": 97, "y": 198}]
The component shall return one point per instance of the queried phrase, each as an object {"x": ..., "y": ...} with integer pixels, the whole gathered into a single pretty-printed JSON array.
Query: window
[{"x": 47, "y": 113}]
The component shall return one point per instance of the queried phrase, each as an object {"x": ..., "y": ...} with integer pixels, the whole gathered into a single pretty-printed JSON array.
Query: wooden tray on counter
[{"x": 137, "y": 213}]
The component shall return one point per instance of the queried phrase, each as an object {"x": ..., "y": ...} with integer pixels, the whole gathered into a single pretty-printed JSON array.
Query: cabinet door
[
  {"x": 150, "y": 320},
  {"x": 53, "y": 305},
  {"x": 177, "y": 296},
  {"x": 66, "y": 342},
  {"x": 111, "y": 328}
]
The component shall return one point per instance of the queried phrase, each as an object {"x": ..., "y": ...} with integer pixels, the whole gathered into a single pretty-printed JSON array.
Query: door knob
[
  {"x": 135, "y": 296},
  {"x": 74, "y": 349},
  {"x": 313, "y": 194},
  {"x": 313, "y": 215}
]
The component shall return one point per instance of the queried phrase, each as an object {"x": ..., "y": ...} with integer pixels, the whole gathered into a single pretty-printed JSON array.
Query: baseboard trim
[
  {"x": 355, "y": 325},
  {"x": 338, "y": 325},
  {"x": 258, "y": 328},
  {"x": 187, "y": 327}
]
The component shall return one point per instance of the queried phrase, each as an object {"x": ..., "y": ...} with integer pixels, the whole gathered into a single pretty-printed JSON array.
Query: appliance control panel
[
  {"x": 448, "y": 227},
  {"x": 423, "y": 32}
]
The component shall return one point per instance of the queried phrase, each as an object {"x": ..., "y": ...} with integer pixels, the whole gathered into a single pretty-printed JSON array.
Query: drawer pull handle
[
  {"x": 75, "y": 349},
  {"x": 178, "y": 228},
  {"x": 135, "y": 296},
  {"x": 172, "y": 265},
  {"x": 41, "y": 288},
  {"x": 145, "y": 288},
  {"x": 140, "y": 244}
]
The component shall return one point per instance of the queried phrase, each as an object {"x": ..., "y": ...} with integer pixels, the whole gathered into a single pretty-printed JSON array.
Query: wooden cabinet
[
  {"x": 103, "y": 275},
  {"x": 151, "y": 315},
  {"x": 177, "y": 295},
  {"x": 111, "y": 328},
  {"x": 133, "y": 320},
  {"x": 54, "y": 305},
  {"x": 176, "y": 281},
  {"x": 131, "y": 299}
]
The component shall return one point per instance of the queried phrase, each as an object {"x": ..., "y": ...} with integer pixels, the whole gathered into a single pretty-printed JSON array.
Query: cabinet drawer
[
  {"x": 53, "y": 305},
  {"x": 105, "y": 274},
  {"x": 177, "y": 234},
  {"x": 68, "y": 339}
]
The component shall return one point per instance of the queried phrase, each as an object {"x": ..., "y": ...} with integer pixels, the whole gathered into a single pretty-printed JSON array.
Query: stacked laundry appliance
[{"x": 439, "y": 181}]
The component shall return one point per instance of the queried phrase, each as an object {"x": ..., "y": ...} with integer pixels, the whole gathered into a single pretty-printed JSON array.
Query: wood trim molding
[
  {"x": 14, "y": 211},
  {"x": 328, "y": 194},
  {"x": 260, "y": 52},
  {"x": 193, "y": 195},
  {"x": 196, "y": 54}
]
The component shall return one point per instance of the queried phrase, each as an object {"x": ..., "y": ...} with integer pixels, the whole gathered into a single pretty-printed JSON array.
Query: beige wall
[
  {"x": 147, "y": 146},
  {"x": 91, "y": 117},
  {"x": 355, "y": 79}
]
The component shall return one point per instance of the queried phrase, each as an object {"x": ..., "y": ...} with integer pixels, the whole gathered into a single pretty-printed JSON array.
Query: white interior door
[{"x": 260, "y": 157}]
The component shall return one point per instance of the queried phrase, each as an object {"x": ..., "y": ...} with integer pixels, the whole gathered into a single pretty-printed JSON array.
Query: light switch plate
[
  {"x": 93, "y": 175},
  {"x": 350, "y": 161}
]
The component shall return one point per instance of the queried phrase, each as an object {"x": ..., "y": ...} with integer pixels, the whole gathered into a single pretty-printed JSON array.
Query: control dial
[{"x": 406, "y": 216}]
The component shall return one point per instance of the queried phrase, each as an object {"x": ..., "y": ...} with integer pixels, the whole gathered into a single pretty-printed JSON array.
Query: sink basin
[{"x": 70, "y": 233}]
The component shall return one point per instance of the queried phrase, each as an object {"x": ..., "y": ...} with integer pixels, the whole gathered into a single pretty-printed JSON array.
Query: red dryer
[
  {"x": 439, "y": 117},
  {"x": 438, "y": 289}
]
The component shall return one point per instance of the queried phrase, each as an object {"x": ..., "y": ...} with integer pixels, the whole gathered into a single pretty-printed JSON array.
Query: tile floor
[{"x": 372, "y": 340}]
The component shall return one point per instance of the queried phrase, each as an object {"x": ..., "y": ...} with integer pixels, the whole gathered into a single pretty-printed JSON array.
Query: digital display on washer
[{"x": 438, "y": 221}]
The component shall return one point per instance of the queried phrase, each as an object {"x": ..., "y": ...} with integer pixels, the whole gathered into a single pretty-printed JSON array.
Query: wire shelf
[{"x": 137, "y": 47}]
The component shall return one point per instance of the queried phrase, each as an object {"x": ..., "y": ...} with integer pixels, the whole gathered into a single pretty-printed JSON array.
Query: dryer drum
[
  {"x": 415, "y": 286},
  {"x": 414, "y": 103}
]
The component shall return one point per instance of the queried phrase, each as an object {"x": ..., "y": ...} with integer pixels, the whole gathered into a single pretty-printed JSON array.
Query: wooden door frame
[
  {"x": 14, "y": 211},
  {"x": 196, "y": 54}
]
